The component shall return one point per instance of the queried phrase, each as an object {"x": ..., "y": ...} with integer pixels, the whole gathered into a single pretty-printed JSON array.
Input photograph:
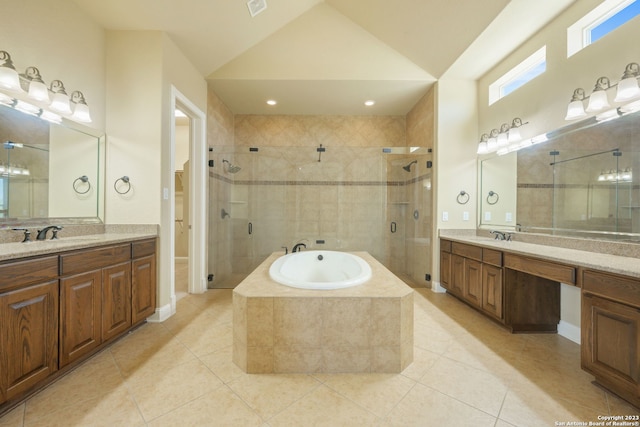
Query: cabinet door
[
  {"x": 611, "y": 344},
  {"x": 492, "y": 290},
  {"x": 143, "y": 288},
  {"x": 445, "y": 269},
  {"x": 457, "y": 274},
  {"x": 116, "y": 300},
  {"x": 29, "y": 337},
  {"x": 472, "y": 289},
  {"x": 80, "y": 315}
]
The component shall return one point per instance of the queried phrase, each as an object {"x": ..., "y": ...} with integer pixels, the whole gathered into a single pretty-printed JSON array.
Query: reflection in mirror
[
  {"x": 498, "y": 191},
  {"x": 40, "y": 167},
  {"x": 581, "y": 182}
]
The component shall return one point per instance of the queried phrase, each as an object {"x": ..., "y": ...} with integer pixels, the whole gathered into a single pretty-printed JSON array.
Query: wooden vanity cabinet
[
  {"x": 143, "y": 280},
  {"x": 611, "y": 332},
  {"x": 56, "y": 310},
  {"x": 29, "y": 316}
]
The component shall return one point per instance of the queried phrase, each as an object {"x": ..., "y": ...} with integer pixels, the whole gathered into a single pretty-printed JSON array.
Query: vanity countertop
[
  {"x": 10, "y": 251},
  {"x": 628, "y": 266}
]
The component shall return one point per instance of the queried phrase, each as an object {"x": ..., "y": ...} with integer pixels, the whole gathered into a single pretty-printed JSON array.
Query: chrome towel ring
[
  {"x": 463, "y": 197},
  {"x": 80, "y": 182},
  {"x": 125, "y": 180},
  {"x": 492, "y": 198}
]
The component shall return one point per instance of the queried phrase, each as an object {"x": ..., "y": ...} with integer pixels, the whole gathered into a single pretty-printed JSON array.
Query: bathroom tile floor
[{"x": 467, "y": 371}]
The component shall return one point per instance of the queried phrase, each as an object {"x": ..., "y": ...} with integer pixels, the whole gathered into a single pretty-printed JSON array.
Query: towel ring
[
  {"x": 490, "y": 196},
  {"x": 124, "y": 179},
  {"x": 78, "y": 183},
  {"x": 463, "y": 197}
]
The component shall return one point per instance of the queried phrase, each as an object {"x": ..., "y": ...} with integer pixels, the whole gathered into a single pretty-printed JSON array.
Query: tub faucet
[
  {"x": 297, "y": 247},
  {"x": 42, "y": 234}
]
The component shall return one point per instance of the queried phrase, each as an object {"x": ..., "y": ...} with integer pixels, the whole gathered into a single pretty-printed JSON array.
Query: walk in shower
[{"x": 373, "y": 199}]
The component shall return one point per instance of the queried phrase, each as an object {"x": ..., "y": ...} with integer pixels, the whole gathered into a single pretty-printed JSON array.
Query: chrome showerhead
[
  {"x": 231, "y": 168},
  {"x": 408, "y": 167}
]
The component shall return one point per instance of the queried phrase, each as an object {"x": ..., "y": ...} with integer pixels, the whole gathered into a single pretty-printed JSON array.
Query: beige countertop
[
  {"x": 10, "y": 251},
  {"x": 628, "y": 266}
]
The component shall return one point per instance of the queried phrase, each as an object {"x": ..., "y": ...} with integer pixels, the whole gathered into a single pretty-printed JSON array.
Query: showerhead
[
  {"x": 231, "y": 168},
  {"x": 408, "y": 167}
]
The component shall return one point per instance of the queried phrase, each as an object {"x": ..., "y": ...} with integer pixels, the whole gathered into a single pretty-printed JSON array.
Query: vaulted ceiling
[{"x": 328, "y": 57}]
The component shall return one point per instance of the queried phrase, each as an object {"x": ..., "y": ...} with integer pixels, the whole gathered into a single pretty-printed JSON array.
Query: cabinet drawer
[
  {"x": 20, "y": 273},
  {"x": 492, "y": 257},
  {"x": 617, "y": 288},
  {"x": 445, "y": 245},
  {"x": 87, "y": 260},
  {"x": 547, "y": 269},
  {"x": 143, "y": 248},
  {"x": 467, "y": 251}
]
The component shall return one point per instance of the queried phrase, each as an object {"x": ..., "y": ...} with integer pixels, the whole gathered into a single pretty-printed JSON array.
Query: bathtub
[{"x": 320, "y": 270}]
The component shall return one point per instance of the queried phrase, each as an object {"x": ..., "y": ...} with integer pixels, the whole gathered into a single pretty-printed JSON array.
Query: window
[
  {"x": 522, "y": 73},
  {"x": 602, "y": 20}
]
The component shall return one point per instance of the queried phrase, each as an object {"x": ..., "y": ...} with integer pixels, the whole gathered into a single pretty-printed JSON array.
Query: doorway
[{"x": 182, "y": 139}]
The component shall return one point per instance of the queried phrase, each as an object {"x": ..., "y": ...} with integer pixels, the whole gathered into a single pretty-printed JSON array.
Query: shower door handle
[
  {"x": 394, "y": 227},
  {"x": 250, "y": 228}
]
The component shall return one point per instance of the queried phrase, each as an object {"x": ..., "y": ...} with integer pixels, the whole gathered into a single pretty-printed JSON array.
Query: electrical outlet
[
  {"x": 487, "y": 216},
  {"x": 465, "y": 216},
  {"x": 445, "y": 216},
  {"x": 508, "y": 217}
]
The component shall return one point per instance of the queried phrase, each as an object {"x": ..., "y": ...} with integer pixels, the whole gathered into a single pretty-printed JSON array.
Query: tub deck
[{"x": 365, "y": 328}]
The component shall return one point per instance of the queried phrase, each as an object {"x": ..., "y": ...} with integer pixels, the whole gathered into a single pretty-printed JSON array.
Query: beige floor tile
[
  {"x": 135, "y": 363},
  {"x": 432, "y": 337},
  {"x": 617, "y": 406},
  {"x": 324, "y": 407},
  {"x": 116, "y": 408},
  {"x": 13, "y": 418},
  {"x": 220, "y": 363},
  {"x": 220, "y": 407},
  {"x": 530, "y": 406},
  {"x": 423, "y": 360},
  {"x": 203, "y": 338},
  {"x": 472, "y": 386},
  {"x": 270, "y": 394},
  {"x": 424, "y": 406},
  {"x": 97, "y": 377},
  {"x": 165, "y": 389},
  {"x": 378, "y": 393}
]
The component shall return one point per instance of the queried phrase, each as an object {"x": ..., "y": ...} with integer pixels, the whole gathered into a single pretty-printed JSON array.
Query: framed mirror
[
  {"x": 48, "y": 172},
  {"x": 581, "y": 182}
]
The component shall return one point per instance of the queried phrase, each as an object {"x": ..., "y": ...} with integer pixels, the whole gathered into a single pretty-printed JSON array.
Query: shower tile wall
[{"x": 288, "y": 196}]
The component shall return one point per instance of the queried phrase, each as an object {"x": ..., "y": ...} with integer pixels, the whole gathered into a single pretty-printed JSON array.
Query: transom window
[
  {"x": 519, "y": 75},
  {"x": 608, "y": 16}
]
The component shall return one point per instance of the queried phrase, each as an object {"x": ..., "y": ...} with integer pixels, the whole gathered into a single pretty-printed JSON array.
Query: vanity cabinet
[
  {"x": 57, "y": 310},
  {"x": 29, "y": 319},
  {"x": 474, "y": 274},
  {"x": 611, "y": 332}
]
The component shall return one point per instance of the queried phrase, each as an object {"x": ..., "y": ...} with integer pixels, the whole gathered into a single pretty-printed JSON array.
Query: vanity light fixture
[
  {"x": 28, "y": 93},
  {"x": 9, "y": 78},
  {"x": 81, "y": 111},
  {"x": 60, "y": 99},
  {"x": 37, "y": 89},
  {"x": 505, "y": 140},
  {"x": 627, "y": 89}
]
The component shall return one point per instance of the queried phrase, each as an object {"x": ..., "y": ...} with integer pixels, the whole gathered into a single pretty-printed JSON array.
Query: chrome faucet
[
  {"x": 297, "y": 247},
  {"x": 501, "y": 235},
  {"x": 42, "y": 234}
]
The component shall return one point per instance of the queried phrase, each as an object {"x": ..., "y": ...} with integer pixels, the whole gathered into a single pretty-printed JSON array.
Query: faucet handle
[
  {"x": 27, "y": 234},
  {"x": 55, "y": 232},
  {"x": 286, "y": 250}
]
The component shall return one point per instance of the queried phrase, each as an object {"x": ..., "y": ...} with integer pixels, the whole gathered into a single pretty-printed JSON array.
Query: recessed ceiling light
[
  {"x": 369, "y": 103},
  {"x": 272, "y": 102},
  {"x": 256, "y": 6}
]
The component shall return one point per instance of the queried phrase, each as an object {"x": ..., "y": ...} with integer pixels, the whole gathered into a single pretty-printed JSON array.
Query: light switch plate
[
  {"x": 487, "y": 216},
  {"x": 445, "y": 216},
  {"x": 465, "y": 216}
]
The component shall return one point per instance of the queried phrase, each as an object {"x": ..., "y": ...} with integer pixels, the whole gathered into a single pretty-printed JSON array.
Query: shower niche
[{"x": 343, "y": 198}]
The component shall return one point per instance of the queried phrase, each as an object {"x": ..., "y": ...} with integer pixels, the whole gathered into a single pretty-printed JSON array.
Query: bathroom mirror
[
  {"x": 48, "y": 172},
  {"x": 581, "y": 182}
]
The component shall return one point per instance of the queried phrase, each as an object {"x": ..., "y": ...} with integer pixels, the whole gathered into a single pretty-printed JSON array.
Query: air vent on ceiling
[{"x": 256, "y": 6}]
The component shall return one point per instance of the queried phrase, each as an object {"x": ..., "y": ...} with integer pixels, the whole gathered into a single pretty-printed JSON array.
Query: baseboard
[
  {"x": 569, "y": 331},
  {"x": 164, "y": 312},
  {"x": 435, "y": 287}
]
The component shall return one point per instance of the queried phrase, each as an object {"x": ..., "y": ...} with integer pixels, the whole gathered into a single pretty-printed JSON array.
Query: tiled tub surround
[{"x": 280, "y": 329}]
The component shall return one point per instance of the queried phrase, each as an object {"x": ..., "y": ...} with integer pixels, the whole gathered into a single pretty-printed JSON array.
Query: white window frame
[
  {"x": 579, "y": 34},
  {"x": 496, "y": 89}
]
